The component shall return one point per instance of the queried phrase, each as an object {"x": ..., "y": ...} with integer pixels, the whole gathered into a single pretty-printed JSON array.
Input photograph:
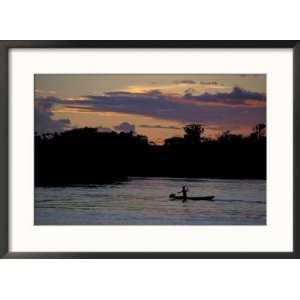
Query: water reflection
[{"x": 144, "y": 201}]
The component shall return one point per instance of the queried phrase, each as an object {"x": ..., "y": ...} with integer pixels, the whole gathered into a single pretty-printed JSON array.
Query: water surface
[{"x": 144, "y": 201}]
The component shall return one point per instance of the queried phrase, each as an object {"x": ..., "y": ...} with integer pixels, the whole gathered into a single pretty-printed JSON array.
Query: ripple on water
[{"x": 144, "y": 201}]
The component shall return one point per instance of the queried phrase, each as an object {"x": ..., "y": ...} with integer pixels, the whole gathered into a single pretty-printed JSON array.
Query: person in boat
[{"x": 184, "y": 193}]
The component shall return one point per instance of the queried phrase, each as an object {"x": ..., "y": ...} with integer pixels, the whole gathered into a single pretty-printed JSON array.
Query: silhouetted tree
[
  {"x": 193, "y": 133},
  {"x": 87, "y": 155},
  {"x": 260, "y": 130},
  {"x": 228, "y": 137},
  {"x": 174, "y": 141}
]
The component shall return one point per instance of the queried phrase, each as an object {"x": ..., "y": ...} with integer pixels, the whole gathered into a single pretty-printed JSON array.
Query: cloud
[
  {"x": 117, "y": 93},
  {"x": 125, "y": 127},
  {"x": 153, "y": 92},
  {"x": 43, "y": 117},
  {"x": 210, "y": 83},
  {"x": 206, "y": 108},
  {"x": 159, "y": 127},
  {"x": 237, "y": 96},
  {"x": 189, "y": 91},
  {"x": 184, "y": 82},
  {"x": 177, "y": 87}
]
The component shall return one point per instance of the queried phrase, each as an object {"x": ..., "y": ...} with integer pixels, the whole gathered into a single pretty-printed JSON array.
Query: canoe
[{"x": 207, "y": 198}]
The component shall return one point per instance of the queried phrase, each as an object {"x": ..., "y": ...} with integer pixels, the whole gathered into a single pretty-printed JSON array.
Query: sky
[{"x": 155, "y": 105}]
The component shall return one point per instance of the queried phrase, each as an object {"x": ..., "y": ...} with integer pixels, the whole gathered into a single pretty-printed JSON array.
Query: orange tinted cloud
[{"x": 179, "y": 87}]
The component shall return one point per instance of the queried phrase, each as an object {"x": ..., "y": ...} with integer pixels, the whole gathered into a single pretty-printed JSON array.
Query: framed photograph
[{"x": 149, "y": 149}]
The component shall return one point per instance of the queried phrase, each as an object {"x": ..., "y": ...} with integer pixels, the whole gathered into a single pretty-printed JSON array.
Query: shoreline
[{"x": 129, "y": 178}]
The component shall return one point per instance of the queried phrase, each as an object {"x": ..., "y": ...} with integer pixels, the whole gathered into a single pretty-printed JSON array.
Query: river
[{"x": 145, "y": 201}]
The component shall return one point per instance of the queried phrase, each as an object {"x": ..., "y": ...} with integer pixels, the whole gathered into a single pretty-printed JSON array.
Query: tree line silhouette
[{"x": 87, "y": 156}]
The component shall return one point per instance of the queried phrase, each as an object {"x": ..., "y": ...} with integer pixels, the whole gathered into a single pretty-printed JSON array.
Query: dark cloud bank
[
  {"x": 43, "y": 114},
  {"x": 234, "y": 108}
]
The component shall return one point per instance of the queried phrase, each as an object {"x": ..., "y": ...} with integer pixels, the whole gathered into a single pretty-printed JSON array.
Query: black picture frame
[{"x": 5, "y": 46}]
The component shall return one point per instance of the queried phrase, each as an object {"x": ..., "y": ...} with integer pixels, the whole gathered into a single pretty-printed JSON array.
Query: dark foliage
[{"x": 86, "y": 156}]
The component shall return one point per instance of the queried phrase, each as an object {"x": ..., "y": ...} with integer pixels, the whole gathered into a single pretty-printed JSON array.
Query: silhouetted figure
[{"x": 184, "y": 193}]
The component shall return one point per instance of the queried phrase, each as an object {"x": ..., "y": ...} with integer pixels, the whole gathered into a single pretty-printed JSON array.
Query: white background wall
[{"x": 169, "y": 279}]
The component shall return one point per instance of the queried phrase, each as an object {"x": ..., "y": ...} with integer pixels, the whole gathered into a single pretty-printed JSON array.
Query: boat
[{"x": 196, "y": 198}]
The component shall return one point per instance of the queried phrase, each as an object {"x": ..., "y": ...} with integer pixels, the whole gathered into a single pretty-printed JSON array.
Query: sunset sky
[{"x": 157, "y": 106}]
